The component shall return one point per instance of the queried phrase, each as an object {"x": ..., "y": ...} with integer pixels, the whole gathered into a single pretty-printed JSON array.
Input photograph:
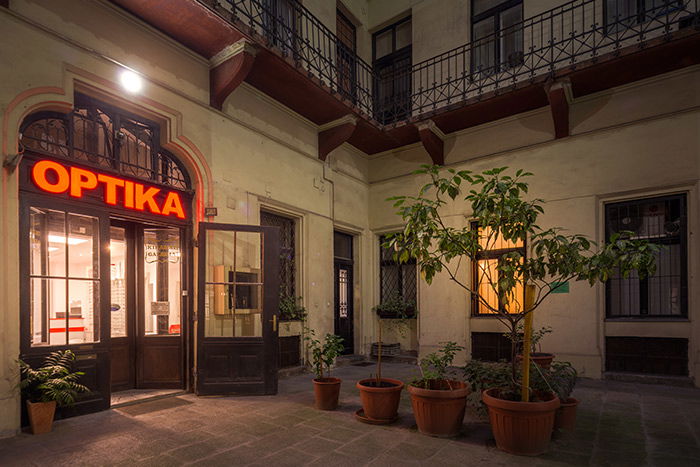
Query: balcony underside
[{"x": 203, "y": 31}]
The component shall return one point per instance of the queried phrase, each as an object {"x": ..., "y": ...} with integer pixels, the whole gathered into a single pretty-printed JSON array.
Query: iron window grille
[
  {"x": 99, "y": 135},
  {"x": 536, "y": 47},
  {"x": 287, "y": 271},
  {"x": 484, "y": 270},
  {"x": 397, "y": 280},
  {"x": 662, "y": 221}
]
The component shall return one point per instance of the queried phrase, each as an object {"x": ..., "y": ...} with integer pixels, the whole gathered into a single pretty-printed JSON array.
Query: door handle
[{"x": 274, "y": 323}]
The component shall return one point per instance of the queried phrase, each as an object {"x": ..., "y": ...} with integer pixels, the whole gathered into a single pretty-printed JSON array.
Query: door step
[{"x": 680, "y": 381}]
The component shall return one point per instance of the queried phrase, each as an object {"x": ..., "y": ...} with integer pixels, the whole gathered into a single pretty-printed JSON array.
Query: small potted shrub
[
  {"x": 323, "y": 355},
  {"x": 521, "y": 280},
  {"x": 395, "y": 307},
  {"x": 381, "y": 396},
  {"x": 45, "y": 387},
  {"x": 438, "y": 401},
  {"x": 543, "y": 359},
  {"x": 562, "y": 379}
]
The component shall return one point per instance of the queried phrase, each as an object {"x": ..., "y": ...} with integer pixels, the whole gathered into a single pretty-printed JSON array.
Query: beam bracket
[
  {"x": 333, "y": 134},
  {"x": 560, "y": 96},
  {"x": 433, "y": 140},
  {"x": 228, "y": 69}
]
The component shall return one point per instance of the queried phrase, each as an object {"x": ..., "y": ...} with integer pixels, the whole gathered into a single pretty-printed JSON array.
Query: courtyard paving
[{"x": 618, "y": 424}]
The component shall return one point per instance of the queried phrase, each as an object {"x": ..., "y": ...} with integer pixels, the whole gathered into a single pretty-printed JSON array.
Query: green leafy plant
[
  {"x": 560, "y": 378},
  {"x": 535, "y": 337},
  {"x": 433, "y": 367},
  {"x": 497, "y": 204},
  {"x": 482, "y": 376},
  {"x": 323, "y": 353},
  {"x": 395, "y": 307},
  {"x": 291, "y": 309},
  {"x": 53, "y": 381}
]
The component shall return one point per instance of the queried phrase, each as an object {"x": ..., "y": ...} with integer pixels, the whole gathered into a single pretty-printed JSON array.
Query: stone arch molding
[{"x": 61, "y": 100}]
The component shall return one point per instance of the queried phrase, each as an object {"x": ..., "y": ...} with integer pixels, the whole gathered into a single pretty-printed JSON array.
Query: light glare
[{"x": 131, "y": 82}]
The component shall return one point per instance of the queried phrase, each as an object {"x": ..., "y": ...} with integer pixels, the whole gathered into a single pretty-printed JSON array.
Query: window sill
[{"x": 648, "y": 320}]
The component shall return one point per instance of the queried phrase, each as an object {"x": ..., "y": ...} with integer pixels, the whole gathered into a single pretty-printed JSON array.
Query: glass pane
[
  {"x": 83, "y": 246},
  {"x": 383, "y": 44},
  {"x": 48, "y": 311},
  {"x": 403, "y": 35},
  {"x": 248, "y": 311},
  {"x": 220, "y": 257},
  {"x": 83, "y": 311},
  {"x": 118, "y": 261},
  {"x": 47, "y": 238},
  {"x": 223, "y": 319},
  {"x": 486, "y": 275},
  {"x": 248, "y": 257},
  {"x": 162, "y": 281},
  {"x": 343, "y": 284},
  {"x": 495, "y": 242},
  {"x": 484, "y": 49},
  {"x": 481, "y": 6},
  {"x": 512, "y": 36}
]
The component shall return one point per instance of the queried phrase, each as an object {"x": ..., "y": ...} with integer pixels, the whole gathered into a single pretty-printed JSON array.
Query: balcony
[{"x": 572, "y": 50}]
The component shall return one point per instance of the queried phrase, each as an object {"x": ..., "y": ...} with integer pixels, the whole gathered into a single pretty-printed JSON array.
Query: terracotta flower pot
[
  {"x": 326, "y": 392},
  {"x": 439, "y": 411},
  {"x": 41, "y": 416},
  {"x": 380, "y": 403},
  {"x": 522, "y": 428},
  {"x": 566, "y": 415},
  {"x": 543, "y": 360}
]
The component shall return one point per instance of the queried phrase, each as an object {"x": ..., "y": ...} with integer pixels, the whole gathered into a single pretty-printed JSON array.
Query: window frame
[
  {"x": 494, "y": 13},
  {"x": 487, "y": 255},
  {"x": 390, "y": 60},
  {"x": 294, "y": 250},
  {"x": 683, "y": 258},
  {"x": 393, "y": 262}
]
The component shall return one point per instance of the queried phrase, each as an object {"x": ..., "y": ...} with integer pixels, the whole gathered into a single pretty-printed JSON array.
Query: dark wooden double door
[{"x": 146, "y": 281}]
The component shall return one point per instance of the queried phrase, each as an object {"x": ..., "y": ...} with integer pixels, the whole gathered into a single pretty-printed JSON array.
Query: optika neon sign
[{"x": 53, "y": 177}]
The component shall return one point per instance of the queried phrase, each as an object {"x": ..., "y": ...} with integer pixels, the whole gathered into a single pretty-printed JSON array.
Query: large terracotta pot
[
  {"x": 41, "y": 416},
  {"x": 380, "y": 403},
  {"x": 522, "y": 428},
  {"x": 543, "y": 360},
  {"x": 566, "y": 415},
  {"x": 326, "y": 392},
  {"x": 439, "y": 411}
]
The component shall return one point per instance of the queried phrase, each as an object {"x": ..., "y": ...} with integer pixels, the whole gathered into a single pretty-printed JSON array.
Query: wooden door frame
[{"x": 270, "y": 258}]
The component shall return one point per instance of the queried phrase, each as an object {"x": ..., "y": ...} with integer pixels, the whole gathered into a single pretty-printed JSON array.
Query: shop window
[
  {"x": 287, "y": 229},
  {"x": 64, "y": 277},
  {"x": 647, "y": 355},
  {"x": 661, "y": 221},
  {"x": 392, "y": 49},
  {"x": 397, "y": 280},
  {"x": 490, "y": 346},
  {"x": 162, "y": 281},
  {"x": 485, "y": 274},
  {"x": 102, "y": 136},
  {"x": 497, "y": 35}
]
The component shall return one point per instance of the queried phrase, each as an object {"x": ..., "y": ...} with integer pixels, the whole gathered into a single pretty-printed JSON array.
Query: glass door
[{"x": 237, "y": 309}]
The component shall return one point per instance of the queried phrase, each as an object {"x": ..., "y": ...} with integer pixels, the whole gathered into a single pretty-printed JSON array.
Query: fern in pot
[
  {"x": 513, "y": 285},
  {"x": 47, "y": 386}
]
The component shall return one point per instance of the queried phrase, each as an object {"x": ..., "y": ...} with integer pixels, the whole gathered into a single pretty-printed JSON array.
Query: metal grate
[
  {"x": 396, "y": 279},
  {"x": 647, "y": 355},
  {"x": 662, "y": 221},
  {"x": 490, "y": 346},
  {"x": 287, "y": 250},
  {"x": 100, "y": 135}
]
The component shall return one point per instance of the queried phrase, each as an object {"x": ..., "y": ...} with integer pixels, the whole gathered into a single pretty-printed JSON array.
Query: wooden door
[
  {"x": 343, "y": 287},
  {"x": 238, "y": 306}
]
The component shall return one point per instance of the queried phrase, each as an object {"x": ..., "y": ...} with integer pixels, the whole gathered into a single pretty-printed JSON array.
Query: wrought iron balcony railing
[{"x": 561, "y": 38}]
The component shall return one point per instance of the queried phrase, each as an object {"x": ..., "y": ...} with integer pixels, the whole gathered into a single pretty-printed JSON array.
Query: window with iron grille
[
  {"x": 103, "y": 136},
  {"x": 287, "y": 250},
  {"x": 490, "y": 346},
  {"x": 497, "y": 35},
  {"x": 485, "y": 274},
  {"x": 398, "y": 280},
  {"x": 661, "y": 221}
]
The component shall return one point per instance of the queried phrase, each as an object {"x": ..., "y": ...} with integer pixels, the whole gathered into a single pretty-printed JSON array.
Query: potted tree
[
  {"x": 323, "y": 355},
  {"x": 543, "y": 359},
  {"x": 51, "y": 384},
  {"x": 438, "y": 401},
  {"x": 521, "y": 421}
]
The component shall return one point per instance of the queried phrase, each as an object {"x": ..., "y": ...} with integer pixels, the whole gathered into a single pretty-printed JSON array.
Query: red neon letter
[
  {"x": 173, "y": 204},
  {"x": 39, "y": 176},
  {"x": 81, "y": 179},
  {"x": 146, "y": 197},
  {"x": 128, "y": 194},
  {"x": 111, "y": 185}
]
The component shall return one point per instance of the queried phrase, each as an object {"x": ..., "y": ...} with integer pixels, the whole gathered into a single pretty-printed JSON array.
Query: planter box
[{"x": 290, "y": 328}]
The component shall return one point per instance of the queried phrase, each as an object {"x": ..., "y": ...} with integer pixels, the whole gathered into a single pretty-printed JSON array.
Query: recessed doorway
[{"x": 146, "y": 281}]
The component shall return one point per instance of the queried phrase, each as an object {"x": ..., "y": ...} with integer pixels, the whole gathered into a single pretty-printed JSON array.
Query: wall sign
[
  {"x": 53, "y": 177},
  {"x": 560, "y": 287}
]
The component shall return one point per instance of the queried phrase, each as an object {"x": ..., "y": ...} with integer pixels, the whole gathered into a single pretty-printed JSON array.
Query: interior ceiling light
[
  {"x": 131, "y": 82},
  {"x": 62, "y": 239}
]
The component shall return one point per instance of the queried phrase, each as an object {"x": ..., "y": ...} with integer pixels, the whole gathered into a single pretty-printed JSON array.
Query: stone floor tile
[
  {"x": 287, "y": 457},
  {"x": 318, "y": 446}
]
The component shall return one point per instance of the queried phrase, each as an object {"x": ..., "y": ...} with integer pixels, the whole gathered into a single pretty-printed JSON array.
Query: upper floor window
[
  {"x": 391, "y": 51},
  {"x": 101, "y": 135},
  {"x": 397, "y": 280},
  {"x": 280, "y": 24},
  {"x": 663, "y": 295},
  {"x": 497, "y": 35},
  {"x": 485, "y": 274},
  {"x": 622, "y": 14},
  {"x": 347, "y": 46}
]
